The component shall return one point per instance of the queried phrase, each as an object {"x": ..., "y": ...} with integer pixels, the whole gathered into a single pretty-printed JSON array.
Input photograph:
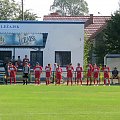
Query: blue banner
[{"x": 23, "y": 39}]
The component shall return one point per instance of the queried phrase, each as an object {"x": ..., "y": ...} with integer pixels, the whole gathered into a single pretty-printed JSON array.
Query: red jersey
[
  {"x": 59, "y": 73},
  {"x": 38, "y": 71},
  {"x": 89, "y": 70},
  {"x": 48, "y": 71},
  {"x": 106, "y": 71},
  {"x": 79, "y": 72},
  {"x": 70, "y": 70},
  {"x": 96, "y": 72},
  {"x": 12, "y": 70}
]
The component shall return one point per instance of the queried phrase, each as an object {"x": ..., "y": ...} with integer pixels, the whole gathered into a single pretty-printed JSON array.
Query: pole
[
  {"x": 14, "y": 51},
  {"x": 22, "y": 10}
]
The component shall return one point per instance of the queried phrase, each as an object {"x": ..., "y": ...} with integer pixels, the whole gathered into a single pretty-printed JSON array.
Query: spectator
[
  {"x": 13, "y": 60},
  {"x": 16, "y": 64},
  {"x": 54, "y": 72},
  {"x": 115, "y": 73},
  {"x": 19, "y": 62},
  {"x": 26, "y": 59}
]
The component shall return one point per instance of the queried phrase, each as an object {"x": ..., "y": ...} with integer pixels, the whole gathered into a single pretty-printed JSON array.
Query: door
[
  {"x": 36, "y": 56},
  {"x": 5, "y": 55}
]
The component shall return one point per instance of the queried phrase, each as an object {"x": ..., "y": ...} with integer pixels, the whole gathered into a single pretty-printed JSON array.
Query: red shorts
[
  {"x": 58, "y": 76},
  {"x": 96, "y": 75},
  {"x": 106, "y": 76},
  {"x": 48, "y": 74},
  {"x": 69, "y": 75},
  {"x": 89, "y": 74},
  {"x": 37, "y": 75},
  {"x": 79, "y": 76},
  {"x": 12, "y": 75}
]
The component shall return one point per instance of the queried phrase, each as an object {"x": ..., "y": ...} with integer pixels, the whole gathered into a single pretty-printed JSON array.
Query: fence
[{"x": 19, "y": 77}]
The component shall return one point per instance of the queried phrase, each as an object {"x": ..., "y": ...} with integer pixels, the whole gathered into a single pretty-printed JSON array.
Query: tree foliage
[
  {"x": 108, "y": 41},
  {"x": 70, "y": 7},
  {"x": 100, "y": 48},
  {"x": 112, "y": 34},
  {"x": 10, "y": 10},
  {"x": 87, "y": 51},
  {"x": 27, "y": 15}
]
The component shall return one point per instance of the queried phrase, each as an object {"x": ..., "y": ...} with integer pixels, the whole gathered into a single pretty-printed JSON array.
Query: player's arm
[{"x": 41, "y": 70}]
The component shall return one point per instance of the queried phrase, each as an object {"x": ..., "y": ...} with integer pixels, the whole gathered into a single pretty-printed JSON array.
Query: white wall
[
  {"x": 65, "y": 38},
  {"x": 61, "y": 37}
]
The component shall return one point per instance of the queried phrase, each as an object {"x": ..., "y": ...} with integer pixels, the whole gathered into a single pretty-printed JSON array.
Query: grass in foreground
[{"x": 59, "y": 102}]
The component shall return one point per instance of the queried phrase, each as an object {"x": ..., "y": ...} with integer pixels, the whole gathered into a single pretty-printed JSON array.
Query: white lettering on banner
[
  {"x": 27, "y": 39},
  {"x": 9, "y": 26}
]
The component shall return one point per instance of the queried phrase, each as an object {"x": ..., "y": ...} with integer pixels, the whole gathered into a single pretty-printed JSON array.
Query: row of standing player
[{"x": 92, "y": 71}]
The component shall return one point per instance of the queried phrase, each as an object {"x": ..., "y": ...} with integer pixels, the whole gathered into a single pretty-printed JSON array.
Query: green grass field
[{"x": 18, "y": 102}]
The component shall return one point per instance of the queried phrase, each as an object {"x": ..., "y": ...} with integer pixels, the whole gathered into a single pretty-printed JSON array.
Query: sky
[{"x": 104, "y": 7}]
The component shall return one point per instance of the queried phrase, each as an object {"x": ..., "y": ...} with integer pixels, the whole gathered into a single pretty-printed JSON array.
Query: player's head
[
  {"x": 25, "y": 56},
  {"x": 70, "y": 64},
  {"x": 115, "y": 68},
  {"x": 49, "y": 65},
  {"x": 78, "y": 64},
  {"x": 89, "y": 64},
  {"x": 37, "y": 63},
  {"x": 26, "y": 63},
  {"x": 10, "y": 63},
  {"x": 55, "y": 64},
  {"x": 58, "y": 65},
  {"x": 95, "y": 65}
]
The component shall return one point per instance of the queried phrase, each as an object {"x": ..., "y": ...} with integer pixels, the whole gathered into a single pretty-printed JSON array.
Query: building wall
[{"x": 62, "y": 36}]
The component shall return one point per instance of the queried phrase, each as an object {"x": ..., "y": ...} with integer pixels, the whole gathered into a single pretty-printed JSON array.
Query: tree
[
  {"x": 100, "y": 48},
  {"x": 87, "y": 51},
  {"x": 27, "y": 15},
  {"x": 10, "y": 10},
  {"x": 108, "y": 41},
  {"x": 112, "y": 34},
  {"x": 70, "y": 7}
]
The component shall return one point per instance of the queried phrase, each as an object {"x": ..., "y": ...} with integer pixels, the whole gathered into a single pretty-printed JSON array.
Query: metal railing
[{"x": 19, "y": 77}]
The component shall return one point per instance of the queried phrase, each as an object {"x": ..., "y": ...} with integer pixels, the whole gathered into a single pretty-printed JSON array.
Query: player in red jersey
[
  {"x": 12, "y": 71},
  {"x": 89, "y": 74},
  {"x": 37, "y": 71},
  {"x": 106, "y": 71},
  {"x": 48, "y": 70},
  {"x": 70, "y": 70},
  {"x": 79, "y": 70},
  {"x": 96, "y": 74},
  {"x": 58, "y": 74}
]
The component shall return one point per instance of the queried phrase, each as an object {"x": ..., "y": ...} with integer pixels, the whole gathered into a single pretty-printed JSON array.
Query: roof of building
[{"x": 93, "y": 24}]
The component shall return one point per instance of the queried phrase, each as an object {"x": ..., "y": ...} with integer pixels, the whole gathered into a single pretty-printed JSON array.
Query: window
[
  {"x": 63, "y": 57},
  {"x": 36, "y": 56}
]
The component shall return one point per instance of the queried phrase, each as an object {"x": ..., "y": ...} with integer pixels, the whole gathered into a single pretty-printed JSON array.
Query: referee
[{"x": 26, "y": 72}]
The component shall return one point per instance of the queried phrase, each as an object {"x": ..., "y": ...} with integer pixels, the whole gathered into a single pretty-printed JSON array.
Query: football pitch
[{"x": 18, "y": 102}]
